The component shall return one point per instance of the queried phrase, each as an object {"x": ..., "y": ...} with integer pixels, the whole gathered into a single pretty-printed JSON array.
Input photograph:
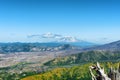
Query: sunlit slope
[
  {"x": 74, "y": 73},
  {"x": 84, "y": 57}
]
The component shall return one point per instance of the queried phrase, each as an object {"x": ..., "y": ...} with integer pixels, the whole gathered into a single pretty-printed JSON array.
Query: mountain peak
[
  {"x": 113, "y": 46},
  {"x": 68, "y": 39}
]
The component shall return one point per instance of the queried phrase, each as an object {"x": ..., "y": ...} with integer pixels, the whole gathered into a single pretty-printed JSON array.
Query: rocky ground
[{"x": 32, "y": 57}]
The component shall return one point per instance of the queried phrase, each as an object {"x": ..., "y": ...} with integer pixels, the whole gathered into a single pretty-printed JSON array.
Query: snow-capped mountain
[
  {"x": 57, "y": 38},
  {"x": 68, "y": 39}
]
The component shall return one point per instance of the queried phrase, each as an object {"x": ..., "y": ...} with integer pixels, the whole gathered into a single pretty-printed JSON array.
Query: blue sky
[{"x": 91, "y": 20}]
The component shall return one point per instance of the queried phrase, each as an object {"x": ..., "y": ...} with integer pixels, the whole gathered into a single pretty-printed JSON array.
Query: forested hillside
[
  {"x": 74, "y": 73},
  {"x": 83, "y": 57}
]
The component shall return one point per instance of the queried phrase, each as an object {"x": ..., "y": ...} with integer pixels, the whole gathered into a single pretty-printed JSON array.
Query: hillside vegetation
[
  {"x": 74, "y": 73},
  {"x": 84, "y": 57}
]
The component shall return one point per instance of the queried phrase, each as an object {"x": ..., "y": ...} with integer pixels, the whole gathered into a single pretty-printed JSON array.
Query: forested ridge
[
  {"x": 74, "y": 73},
  {"x": 85, "y": 57}
]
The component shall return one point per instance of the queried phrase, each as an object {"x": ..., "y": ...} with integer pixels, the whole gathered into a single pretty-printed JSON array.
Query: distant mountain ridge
[
  {"x": 53, "y": 46},
  {"x": 113, "y": 46},
  {"x": 83, "y": 44},
  {"x": 36, "y": 47}
]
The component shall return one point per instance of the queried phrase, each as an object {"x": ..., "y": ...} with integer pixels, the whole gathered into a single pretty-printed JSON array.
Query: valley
[
  {"x": 59, "y": 39},
  {"x": 19, "y": 64}
]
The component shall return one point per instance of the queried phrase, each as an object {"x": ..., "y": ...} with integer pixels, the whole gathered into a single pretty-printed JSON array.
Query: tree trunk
[{"x": 112, "y": 75}]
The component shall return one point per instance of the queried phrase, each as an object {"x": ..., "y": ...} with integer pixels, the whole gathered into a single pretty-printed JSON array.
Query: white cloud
[
  {"x": 51, "y": 35},
  {"x": 55, "y": 37}
]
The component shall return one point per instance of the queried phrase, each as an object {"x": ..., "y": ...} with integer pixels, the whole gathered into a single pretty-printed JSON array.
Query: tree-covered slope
[
  {"x": 113, "y": 46},
  {"x": 74, "y": 73},
  {"x": 90, "y": 56}
]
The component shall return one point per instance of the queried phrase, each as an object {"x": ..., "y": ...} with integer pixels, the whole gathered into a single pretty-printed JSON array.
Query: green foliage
[
  {"x": 74, "y": 73},
  {"x": 4, "y": 75},
  {"x": 16, "y": 72},
  {"x": 84, "y": 57},
  {"x": 80, "y": 72}
]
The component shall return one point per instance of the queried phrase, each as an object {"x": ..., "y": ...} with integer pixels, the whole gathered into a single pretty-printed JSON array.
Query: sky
[{"x": 90, "y": 20}]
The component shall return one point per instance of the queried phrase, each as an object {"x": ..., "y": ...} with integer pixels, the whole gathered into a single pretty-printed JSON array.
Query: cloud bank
[{"x": 57, "y": 37}]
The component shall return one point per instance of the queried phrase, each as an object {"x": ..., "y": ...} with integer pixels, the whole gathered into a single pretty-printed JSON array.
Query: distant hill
[
  {"x": 83, "y": 57},
  {"x": 83, "y": 44},
  {"x": 114, "y": 46},
  {"x": 106, "y": 52},
  {"x": 37, "y": 47},
  {"x": 34, "y": 47}
]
